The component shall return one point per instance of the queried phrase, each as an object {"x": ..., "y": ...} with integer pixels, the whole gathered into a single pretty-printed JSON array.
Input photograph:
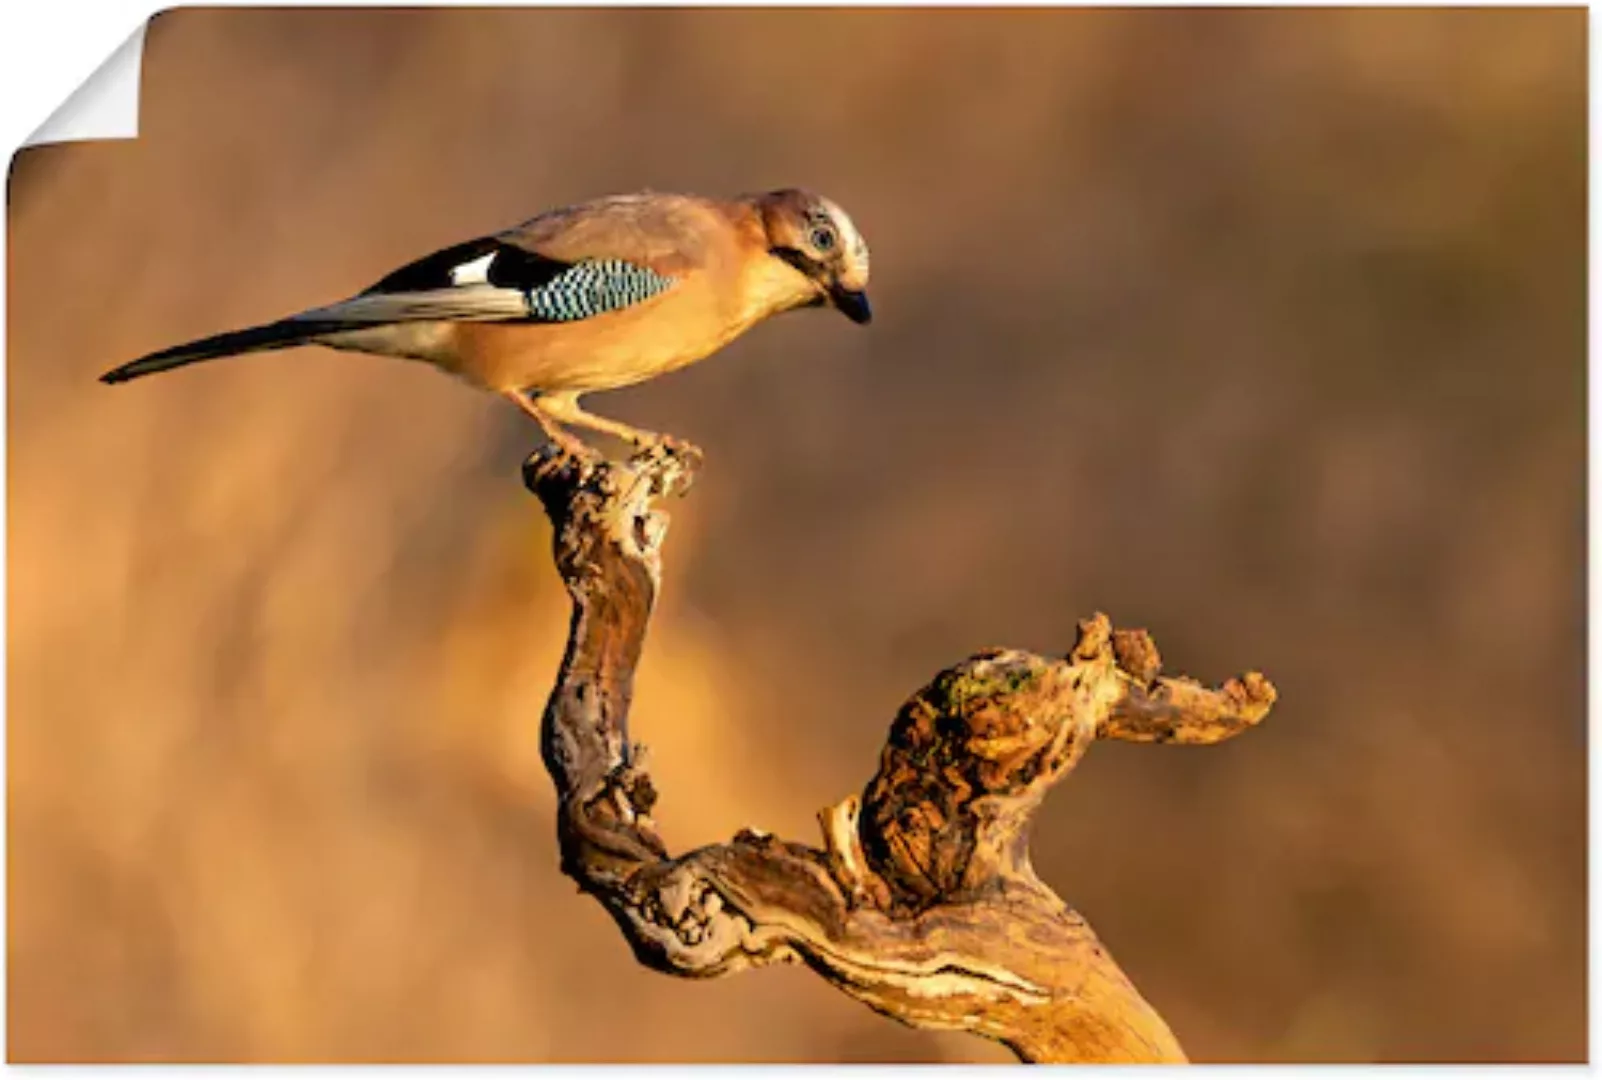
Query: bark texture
[{"x": 920, "y": 900}]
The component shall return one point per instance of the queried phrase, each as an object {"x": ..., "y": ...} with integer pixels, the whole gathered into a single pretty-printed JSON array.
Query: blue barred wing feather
[{"x": 595, "y": 287}]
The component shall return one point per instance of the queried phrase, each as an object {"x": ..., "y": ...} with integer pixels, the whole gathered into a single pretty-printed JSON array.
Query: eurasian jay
[{"x": 589, "y": 297}]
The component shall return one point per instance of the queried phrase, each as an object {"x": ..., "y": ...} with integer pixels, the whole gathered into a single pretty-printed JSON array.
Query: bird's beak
[{"x": 852, "y": 304}]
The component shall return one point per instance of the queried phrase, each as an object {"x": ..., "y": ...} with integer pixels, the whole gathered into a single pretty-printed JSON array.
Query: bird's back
[{"x": 668, "y": 233}]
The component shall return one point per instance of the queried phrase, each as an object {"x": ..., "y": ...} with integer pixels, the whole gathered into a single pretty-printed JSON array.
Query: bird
[{"x": 587, "y": 297}]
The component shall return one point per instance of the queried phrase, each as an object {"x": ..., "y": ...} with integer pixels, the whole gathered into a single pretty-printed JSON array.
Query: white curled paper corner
[{"x": 106, "y": 105}]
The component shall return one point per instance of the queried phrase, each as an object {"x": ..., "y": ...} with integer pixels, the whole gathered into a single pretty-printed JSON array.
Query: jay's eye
[{"x": 822, "y": 238}]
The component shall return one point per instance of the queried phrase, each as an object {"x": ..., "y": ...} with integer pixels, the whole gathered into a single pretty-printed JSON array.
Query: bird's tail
[
  {"x": 278, "y": 335},
  {"x": 338, "y": 324}
]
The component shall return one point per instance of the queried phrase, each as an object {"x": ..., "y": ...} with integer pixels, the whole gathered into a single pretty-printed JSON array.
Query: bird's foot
[{"x": 672, "y": 463}]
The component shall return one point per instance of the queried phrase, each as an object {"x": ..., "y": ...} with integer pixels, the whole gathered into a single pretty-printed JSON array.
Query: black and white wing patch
[
  {"x": 486, "y": 261},
  {"x": 551, "y": 290}
]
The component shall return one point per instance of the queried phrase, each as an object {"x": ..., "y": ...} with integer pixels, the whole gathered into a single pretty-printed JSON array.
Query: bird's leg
[
  {"x": 649, "y": 446},
  {"x": 548, "y": 424},
  {"x": 565, "y": 407}
]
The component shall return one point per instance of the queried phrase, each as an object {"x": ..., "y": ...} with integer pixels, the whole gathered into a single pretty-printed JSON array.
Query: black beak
[{"x": 852, "y": 304}]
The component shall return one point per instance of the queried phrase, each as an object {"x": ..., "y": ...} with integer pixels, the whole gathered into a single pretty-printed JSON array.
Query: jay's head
[{"x": 816, "y": 237}]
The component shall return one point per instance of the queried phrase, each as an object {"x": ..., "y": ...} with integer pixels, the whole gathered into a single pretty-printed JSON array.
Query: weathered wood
[{"x": 921, "y": 901}]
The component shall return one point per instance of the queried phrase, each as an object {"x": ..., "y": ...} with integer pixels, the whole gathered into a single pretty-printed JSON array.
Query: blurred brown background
[{"x": 1264, "y": 330}]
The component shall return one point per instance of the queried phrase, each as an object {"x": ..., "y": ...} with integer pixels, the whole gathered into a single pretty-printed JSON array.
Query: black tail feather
[{"x": 278, "y": 335}]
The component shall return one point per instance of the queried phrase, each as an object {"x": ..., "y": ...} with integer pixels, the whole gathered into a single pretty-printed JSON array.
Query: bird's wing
[{"x": 565, "y": 265}]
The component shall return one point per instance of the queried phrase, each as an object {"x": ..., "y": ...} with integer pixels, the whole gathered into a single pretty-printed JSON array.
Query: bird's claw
[
  {"x": 666, "y": 464},
  {"x": 672, "y": 463},
  {"x": 688, "y": 454}
]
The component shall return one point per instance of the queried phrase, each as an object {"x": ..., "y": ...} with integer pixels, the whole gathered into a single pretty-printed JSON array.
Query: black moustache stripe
[{"x": 811, "y": 267}]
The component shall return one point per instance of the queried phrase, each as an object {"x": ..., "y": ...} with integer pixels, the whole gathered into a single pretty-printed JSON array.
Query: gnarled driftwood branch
[{"x": 921, "y": 901}]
